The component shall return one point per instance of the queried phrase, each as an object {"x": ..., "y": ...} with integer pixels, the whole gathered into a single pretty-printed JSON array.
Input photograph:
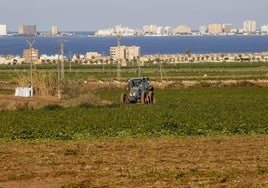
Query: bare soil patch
[
  {"x": 11, "y": 102},
  {"x": 136, "y": 162}
]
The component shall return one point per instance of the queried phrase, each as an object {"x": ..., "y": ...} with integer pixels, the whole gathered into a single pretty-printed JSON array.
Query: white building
[
  {"x": 160, "y": 31},
  {"x": 105, "y": 32},
  {"x": 51, "y": 57},
  {"x": 124, "y": 31},
  {"x": 264, "y": 28},
  {"x": 250, "y": 26},
  {"x": 3, "y": 30},
  {"x": 168, "y": 30},
  {"x": 203, "y": 30}
]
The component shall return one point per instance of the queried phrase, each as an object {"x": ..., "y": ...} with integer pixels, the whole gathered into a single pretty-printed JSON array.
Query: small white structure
[
  {"x": 3, "y": 29},
  {"x": 93, "y": 55},
  {"x": 24, "y": 92}
]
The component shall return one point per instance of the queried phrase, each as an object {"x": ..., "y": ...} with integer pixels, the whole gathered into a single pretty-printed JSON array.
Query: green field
[
  {"x": 190, "y": 111},
  {"x": 178, "y": 112},
  {"x": 182, "y": 71},
  {"x": 209, "y": 134}
]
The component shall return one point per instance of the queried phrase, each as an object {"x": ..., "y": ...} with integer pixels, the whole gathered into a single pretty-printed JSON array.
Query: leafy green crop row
[
  {"x": 172, "y": 71},
  {"x": 178, "y": 112},
  {"x": 168, "y": 65}
]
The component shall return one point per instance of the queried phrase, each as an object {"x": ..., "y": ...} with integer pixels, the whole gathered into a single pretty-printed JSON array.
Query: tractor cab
[
  {"x": 139, "y": 91},
  {"x": 138, "y": 83}
]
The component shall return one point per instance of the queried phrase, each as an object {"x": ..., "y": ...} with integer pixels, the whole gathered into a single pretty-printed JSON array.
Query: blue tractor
[{"x": 140, "y": 91}]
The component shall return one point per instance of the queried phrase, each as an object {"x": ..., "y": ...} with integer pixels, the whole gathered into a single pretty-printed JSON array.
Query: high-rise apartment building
[
  {"x": 150, "y": 29},
  {"x": 203, "y": 30},
  {"x": 250, "y": 26},
  {"x": 168, "y": 30},
  {"x": 124, "y": 52},
  {"x": 27, "y": 29},
  {"x": 3, "y": 30},
  {"x": 228, "y": 28},
  {"x": 160, "y": 31},
  {"x": 264, "y": 28},
  {"x": 215, "y": 28},
  {"x": 54, "y": 30},
  {"x": 117, "y": 53},
  {"x": 132, "y": 52}
]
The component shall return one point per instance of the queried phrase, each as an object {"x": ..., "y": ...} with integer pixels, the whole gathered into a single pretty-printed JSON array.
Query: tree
[{"x": 43, "y": 61}]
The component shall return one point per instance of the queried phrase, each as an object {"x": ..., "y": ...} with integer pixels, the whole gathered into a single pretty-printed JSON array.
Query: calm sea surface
[{"x": 149, "y": 45}]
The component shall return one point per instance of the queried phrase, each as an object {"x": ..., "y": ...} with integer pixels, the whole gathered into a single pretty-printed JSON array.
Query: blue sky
[{"x": 90, "y": 15}]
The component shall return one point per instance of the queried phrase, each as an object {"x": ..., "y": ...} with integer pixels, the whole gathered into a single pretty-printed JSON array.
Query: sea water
[{"x": 14, "y": 45}]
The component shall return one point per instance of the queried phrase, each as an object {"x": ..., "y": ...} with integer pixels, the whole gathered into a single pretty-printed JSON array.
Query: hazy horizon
[{"x": 83, "y": 15}]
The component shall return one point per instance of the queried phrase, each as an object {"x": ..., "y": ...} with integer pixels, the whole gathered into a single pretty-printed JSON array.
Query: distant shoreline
[{"x": 92, "y": 34}]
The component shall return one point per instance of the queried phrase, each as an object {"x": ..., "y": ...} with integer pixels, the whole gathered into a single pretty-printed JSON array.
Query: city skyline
[{"x": 83, "y": 15}]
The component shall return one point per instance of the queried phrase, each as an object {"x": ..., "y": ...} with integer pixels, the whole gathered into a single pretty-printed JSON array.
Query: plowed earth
[{"x": 136, "y": 162}]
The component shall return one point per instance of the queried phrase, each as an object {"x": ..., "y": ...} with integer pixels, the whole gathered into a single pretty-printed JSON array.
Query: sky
[{"x": 92, "y": 15}]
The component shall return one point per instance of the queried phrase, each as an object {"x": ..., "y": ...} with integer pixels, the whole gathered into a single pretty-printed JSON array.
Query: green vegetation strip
[
  {"x": 181, "y": 71},
  {"x": 178, "y": 112}
]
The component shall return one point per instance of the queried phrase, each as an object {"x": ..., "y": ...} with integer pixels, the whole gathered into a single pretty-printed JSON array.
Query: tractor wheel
[
  {"x": 143, "y": 98},
  {"x": 151, "y": 97},
  {"x": 123, "y": 98}
]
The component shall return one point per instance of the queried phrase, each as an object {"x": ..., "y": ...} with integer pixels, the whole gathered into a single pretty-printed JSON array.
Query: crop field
[
  {"x": 191, "y": 137},
  {"x": 178, "y": 112},
  {"x": 198, "y": 136},
  {"x": 183, "y": 71}
]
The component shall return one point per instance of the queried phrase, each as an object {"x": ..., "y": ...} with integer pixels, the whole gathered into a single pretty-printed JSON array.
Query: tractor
[{"x": 139, "y": 91}]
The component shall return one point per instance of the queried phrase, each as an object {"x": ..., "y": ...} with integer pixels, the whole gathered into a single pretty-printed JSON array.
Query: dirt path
[
  {"x": 10, "y": 102},
  {"x": 163, "y": 162}
]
